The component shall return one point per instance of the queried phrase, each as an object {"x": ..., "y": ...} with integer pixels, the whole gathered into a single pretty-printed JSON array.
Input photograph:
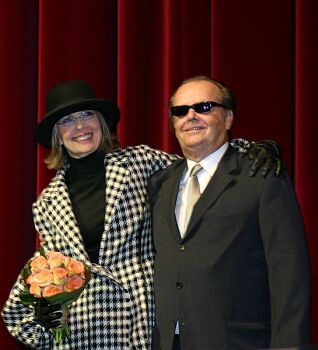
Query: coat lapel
[
  {"x": 59, "y": 206},
  {"x": 222, "y": 178},
  {"x": 59, "y": 209},
  {"x": 170, "y": 193},
  {"x": 117, "y": 175}
]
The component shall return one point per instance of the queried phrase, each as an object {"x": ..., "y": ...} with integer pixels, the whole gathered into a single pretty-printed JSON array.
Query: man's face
[
  {"x": 199, "y": 134},
  {"x": 81, "y": 133}
]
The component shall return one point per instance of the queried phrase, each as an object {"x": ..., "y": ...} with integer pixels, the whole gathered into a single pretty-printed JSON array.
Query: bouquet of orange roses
[{"x": 56, "y": 278}]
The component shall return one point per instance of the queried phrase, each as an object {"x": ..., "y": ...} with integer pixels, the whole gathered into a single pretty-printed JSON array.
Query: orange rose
[
  {"x": 35, "y": 289},
  {"x": 38, "y": 264},
  {"x": 59, "y": 275},
  {"x": 56, "y": 259},
  {"x": 75, "y": 267},
  {"x": 73, "y": 283},
  {"x": 52, "y": 290},
  {"x": 43, "y": 277}
]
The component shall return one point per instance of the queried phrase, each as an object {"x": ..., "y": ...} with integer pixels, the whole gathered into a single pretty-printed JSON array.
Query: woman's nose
[{"x": 78, "y": 123}]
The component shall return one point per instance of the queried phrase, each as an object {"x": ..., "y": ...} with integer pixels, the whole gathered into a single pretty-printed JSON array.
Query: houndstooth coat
[{"x": 115, "y": 310}]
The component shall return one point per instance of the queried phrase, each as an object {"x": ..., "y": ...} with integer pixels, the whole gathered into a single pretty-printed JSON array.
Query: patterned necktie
[{"x": 193, "y": 193}]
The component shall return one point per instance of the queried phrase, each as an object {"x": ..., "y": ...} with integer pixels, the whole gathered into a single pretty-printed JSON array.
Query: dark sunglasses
[{"x": 200, "y": 107}]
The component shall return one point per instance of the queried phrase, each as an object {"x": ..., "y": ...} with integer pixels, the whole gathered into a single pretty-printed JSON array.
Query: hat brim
[{"x": 108, "y": 109}]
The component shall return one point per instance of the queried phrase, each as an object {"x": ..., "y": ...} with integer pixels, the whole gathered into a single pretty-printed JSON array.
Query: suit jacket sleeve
[{"x": 287, "y": 260}]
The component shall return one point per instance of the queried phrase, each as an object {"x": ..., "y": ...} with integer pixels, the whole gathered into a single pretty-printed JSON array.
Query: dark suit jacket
[{"x": 240, "y": 277}]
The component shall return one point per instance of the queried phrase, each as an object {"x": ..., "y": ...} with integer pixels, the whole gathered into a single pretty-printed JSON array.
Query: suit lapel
[
  {"x": 170, "y": 192},
  {"x": 222, "y": 178}
]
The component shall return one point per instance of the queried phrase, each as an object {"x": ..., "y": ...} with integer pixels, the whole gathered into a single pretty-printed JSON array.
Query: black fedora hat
[{"x": 70, "y": 97}]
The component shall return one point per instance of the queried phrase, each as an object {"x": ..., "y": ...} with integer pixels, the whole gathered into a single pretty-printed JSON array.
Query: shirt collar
[{"x": 210, "y": 162}]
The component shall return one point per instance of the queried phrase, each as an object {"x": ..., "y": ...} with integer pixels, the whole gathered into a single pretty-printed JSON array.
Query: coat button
[
  {"x": 179, "y": 285},
  {"x": 182, "y": 248}
]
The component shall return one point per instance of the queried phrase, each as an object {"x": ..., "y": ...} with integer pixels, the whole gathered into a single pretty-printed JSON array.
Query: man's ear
[{"x": 229, "y": 117}]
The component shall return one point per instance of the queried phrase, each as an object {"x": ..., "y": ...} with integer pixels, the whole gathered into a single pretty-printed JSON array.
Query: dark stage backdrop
[{"x": 136, "y": 52}]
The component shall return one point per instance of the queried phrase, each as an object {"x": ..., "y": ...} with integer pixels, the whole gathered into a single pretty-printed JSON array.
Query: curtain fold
[
  {"x": 306, "y": 77},
  {"x": 252, "y": 51},
  {"x": 18, "y": 84},
  {"x": 137, "y": 52},
  {"x": 159, "y": 44}
]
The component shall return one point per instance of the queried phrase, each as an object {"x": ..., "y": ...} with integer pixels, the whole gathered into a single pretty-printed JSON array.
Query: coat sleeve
[
  {"x": 287, "y": 260},
  {"x": 20, "y": 322},
  {"x": 157, "y": 160},
  {"x": 19, "y": 318}
]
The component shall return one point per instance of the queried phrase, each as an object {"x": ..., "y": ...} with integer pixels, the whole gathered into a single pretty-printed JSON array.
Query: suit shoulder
[
  {"x": 160, "y": 176},
  {"x": 170, "y": 168}
]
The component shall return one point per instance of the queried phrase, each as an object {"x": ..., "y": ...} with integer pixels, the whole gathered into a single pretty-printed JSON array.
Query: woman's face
[{"x": 80, "y": 133}]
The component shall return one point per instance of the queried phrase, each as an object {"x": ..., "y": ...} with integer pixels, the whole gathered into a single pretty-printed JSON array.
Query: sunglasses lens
[
  {"x": 179, "y": 111},
  {"x": 202, "y": 107}
]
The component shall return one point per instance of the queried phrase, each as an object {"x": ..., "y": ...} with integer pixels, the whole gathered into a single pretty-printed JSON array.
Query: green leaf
[
  {"x": 41, "y": 250},
  {"x": 25, "y": 272},
  {"x": 27, "y": 298},
  {"x": 64, "y": 298},
  {"x": 60, "y": 333}
]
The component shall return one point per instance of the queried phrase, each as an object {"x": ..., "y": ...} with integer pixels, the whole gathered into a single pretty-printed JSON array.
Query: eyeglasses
[
  {"x": 200, "y": 107},
  {"x": 69, "y": 120}
]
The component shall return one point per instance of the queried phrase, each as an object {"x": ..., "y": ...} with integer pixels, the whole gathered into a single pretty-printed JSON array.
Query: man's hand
[{"x": 264, "y": 153}]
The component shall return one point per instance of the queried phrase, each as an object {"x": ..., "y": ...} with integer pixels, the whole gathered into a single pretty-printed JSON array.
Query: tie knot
[{"x": 195, "y": 169}]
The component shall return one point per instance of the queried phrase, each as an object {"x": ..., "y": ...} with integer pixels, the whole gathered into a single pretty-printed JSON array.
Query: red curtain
[
  {"x": 18, "y": 98},
  {"x": 137, "y": 52},
  {"x": 306, "y": 77}
]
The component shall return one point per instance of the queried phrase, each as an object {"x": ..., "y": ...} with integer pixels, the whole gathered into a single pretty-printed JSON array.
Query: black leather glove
[
  {"x": 48, "y": 316},
  {"x": 264, "y": 153}
]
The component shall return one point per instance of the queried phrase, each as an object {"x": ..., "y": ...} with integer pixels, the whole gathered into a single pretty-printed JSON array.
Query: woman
[{"x": 95, "y": 210}]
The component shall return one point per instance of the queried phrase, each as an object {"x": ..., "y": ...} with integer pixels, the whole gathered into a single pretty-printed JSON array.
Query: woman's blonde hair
[{"x": 57, "y": 157}]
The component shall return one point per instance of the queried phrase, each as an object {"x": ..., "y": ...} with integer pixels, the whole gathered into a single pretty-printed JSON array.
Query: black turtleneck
[{"x": 85, "y": 179}]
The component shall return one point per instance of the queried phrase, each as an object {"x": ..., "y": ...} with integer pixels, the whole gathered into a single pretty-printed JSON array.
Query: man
[{"x": 236, "y": 276}]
